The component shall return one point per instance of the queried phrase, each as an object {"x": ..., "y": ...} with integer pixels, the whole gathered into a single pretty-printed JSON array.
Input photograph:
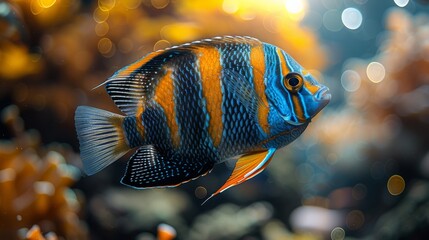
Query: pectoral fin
[{"x": 246, "y": 167}]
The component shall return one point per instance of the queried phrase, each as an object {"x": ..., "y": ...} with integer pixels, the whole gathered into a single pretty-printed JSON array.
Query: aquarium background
[{"x": 360, "y": 170}]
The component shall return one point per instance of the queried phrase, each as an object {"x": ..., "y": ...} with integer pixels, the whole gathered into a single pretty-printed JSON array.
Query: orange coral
[
  {"x": 34, "y": 189},
  {"x": 35, "y": 234}
]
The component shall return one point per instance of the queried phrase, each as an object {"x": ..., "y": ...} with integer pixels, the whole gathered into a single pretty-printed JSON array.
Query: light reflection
[
  {"x": 230, "y": 6},
  {"x": 352, "y": 18},
  {"x": 338, "y": 233},
  {"x": 350, "y": 80},
  {"x": 104, "y": 45},
  {"x": 294, "y": 6},
  {"x": 106, "y": 5},
  {"x": 160, "y": 4},
  {"x": 46, "y": 3},
  {"x": 161, "y": 44},
  {"x": 132, "y": 4},
  {"x": 35, "y": 8},
  {"x": 375, "y": 72},
  {"x": 307, "y": 218},
  {"x": 101, "y": 29},
  {"x": 395, "y": 185},
  {"x": 296, "y": 9},
  {"x": 331, "y": 20},
  {"x": 355, "y": 220},
  {"x": 100, "y": 16},
  {"x": 200, "y": 192},
  {"x": 401, "y": 3}
]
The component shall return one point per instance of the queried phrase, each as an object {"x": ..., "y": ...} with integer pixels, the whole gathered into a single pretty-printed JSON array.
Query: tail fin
[{"x": 100, "y": 137}]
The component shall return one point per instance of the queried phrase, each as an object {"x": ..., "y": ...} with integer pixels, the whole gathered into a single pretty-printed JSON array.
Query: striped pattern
[
  {"x": 257, "y": 61},
  {"x": 210, "y": 69},
  {"x": 197, "y": 104},
  {"x": 192, "y": 107},
  {"x": 240, "y": 131},
  {"x": 296, "y": 101},
  {"x": 164, "y": 96}
]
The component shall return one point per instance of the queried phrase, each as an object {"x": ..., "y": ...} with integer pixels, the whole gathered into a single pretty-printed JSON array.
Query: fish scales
[
  {"x": 240, "y": 131},
  {"x": 195, "y": 105}
]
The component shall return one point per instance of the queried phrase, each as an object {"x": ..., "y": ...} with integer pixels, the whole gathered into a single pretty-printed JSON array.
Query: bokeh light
[
  {"x": 106, "y": 5},
  {"x": 375, "y": 72},
  {"x": 161, "y": 44},
  {"x": 201, "y": 192},
  {"x": 352, "y": 18},
  {"x": 132, "y": 4},
  {"x": 100, "y": 15},
  {"x": 331, "y": 20},
  {"x": 230, "y": 6},
  {"x": 105, "y": 45},
  {"x": 46, "y": 3},
  {"x": 350, "y": 80},
  {"x": 160, "y": 4},
  {"x": 396, "y": 185},
  {"x": 355, "y": 219},
  {"x": 338, "y": 233},
  {"x": 401, "y": 3},
  {"x": 296, "y": 8},
  {"x": 101, "y": 28}
]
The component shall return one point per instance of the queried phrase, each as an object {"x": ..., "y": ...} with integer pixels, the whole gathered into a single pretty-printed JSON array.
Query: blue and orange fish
[{"x": 192, "y": 106}]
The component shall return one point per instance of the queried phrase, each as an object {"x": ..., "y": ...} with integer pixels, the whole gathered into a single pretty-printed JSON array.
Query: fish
[{"x": 192, "y": 106}]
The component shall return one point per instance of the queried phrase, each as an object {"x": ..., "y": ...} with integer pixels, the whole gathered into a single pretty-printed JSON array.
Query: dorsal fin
[{"x": 133, "y": 85}]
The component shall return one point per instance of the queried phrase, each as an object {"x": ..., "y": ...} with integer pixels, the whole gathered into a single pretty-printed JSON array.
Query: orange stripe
[
  {"x": 117, "y": 124},
  {"x": 257, "y": 61},
  {"x": 298, "y": 108},
  {"x": 310, "y": 87},
  {"x": 134, "y": 66},
  {"x": 164, "y": 93},
  {"x": 210, "y": 70},
  {"x": 313, "y": 89},
  {"x": 285, "y": 69}
]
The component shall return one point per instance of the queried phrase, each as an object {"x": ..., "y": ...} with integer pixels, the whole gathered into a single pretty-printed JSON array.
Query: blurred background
[{"x": 360, "y": 170}]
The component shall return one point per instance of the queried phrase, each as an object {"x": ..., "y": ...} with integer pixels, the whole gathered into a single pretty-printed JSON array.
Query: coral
[
  {"x": 35, "y": 185},
  {"x": 35, "y": 234}
]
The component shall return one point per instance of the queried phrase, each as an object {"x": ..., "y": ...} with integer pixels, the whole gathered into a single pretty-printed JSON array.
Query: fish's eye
[{"x": 293, "y": 81}]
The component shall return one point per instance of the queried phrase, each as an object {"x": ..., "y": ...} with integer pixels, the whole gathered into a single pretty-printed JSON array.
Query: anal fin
[
  {"x": 149, "y": 168},
  {"x": 246, "y": 167}
]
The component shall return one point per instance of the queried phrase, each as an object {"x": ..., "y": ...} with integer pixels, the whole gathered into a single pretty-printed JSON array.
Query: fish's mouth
[{"x": 323, "y": 96}]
